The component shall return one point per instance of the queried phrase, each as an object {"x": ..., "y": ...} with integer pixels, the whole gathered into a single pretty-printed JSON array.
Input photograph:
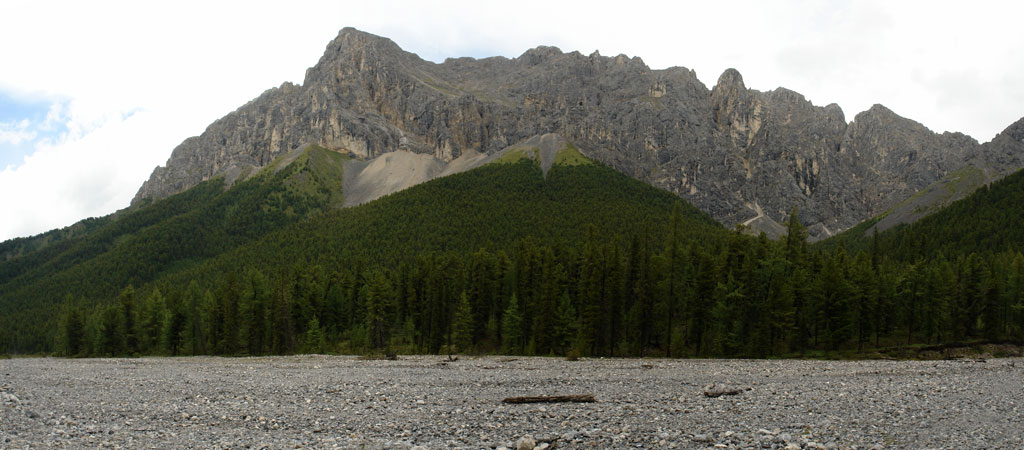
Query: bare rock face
[{"x": 741, "y": 155}]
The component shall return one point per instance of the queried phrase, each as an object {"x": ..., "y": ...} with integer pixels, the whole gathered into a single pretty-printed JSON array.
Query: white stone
[{"x": 526, "y": 443}]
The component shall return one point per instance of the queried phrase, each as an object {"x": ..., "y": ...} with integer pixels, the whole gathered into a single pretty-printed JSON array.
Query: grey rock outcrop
[{"x": 742, "y": 155}]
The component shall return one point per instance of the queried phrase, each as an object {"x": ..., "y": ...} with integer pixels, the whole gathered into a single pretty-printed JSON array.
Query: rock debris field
[{"x": 429, "y": 402}]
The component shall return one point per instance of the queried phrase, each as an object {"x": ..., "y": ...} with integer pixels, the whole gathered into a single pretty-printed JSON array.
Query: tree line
[{"x": 656, "y": 292}]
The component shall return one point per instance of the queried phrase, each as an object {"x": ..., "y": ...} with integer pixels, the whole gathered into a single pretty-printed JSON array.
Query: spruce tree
[
  {"x": 796, "y": 238},
  {"x": 73, "y": 329},
  {"x": 283, "y": 338},
  {"x": 152, "y": 319},
  {"x": 196, "y": 326},
  {"x": 975, "y": 286},
  {"x": 564, "y": 327},
  {"x": 1015, "y": 291},
  {"x": 213, "y": 319},
  {"x": 228, "y": 308},
  {"x": 313, "y": 341},
  {"x": 673, "y": 285},
  {"x": 512, "y": 328},
  {"x": 174, "y": 330},
  {"x": 257, "y": 297},
  {"x": 379, "y": 299},
  {"x": 112, "y": 331},
  {"x": 865, "y": 298},
  {"x": 128, "y": 324},
  {"x": 835, "y": 296},
  {"x": 463, "y": 332},
  {"x": 701, "y": 303}
]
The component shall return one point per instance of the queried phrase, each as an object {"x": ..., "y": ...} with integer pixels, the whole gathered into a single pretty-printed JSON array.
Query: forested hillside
[
  {"x": 502, "y": 259},
  {"x": 988, "y": 221},
  {"x": 582, "y": 261},
  {"x": 141, "y": 245}
]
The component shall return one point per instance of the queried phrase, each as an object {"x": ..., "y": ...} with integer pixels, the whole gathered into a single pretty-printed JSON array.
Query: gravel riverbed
[{"x": 344, "y": 402}]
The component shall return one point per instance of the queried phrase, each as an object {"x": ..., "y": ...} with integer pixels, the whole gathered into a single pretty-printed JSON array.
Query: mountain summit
[{"x": 743, "y": 156}]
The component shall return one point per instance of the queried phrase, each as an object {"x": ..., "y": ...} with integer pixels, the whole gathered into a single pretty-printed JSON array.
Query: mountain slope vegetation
[
  {"x": 139, "y": 246},
  {"x": 504, "y": 258},
  {"x": 990, "y": 220}
]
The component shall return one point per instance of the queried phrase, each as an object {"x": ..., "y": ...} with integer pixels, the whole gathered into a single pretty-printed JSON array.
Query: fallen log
[
  {"x": 581, "y": 398},
  {"x": 718, "y": 390}
]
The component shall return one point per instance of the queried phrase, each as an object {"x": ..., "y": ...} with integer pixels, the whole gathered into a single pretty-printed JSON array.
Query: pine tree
[
  {"x": 228, "y": 308},
  {"x": 152, "y": 319},
  {"x": 128, "y": 324},
  {"x": 939, "y": 302},
  {"x": 701, "y": 302},
  {"x": 640, "y": 284},
  {"x": 313, "y": 341},
  {"x": 835, "y": 300},
  {"x": 463, "y": 332},
  {"x": 512, "y": 328},
  {"x": 174, "y": 329},
  {"x": 993, "y": 313},
  {"x": 283, "y": 338},
  {"x": 1015, "y": 291},
  {"x": 914, "y": 301},
  {"x": 975, "y": 286},
  {"x": 865, "y": 298},
  {"x": 379, "y": 299},
  {"x": 73, "y": 329},
  {"x": 674, "y": 283},
  {"x": 196, "y": 326},
  {"x": 112, "y": 331},
  {"x": 255, "y": 299},
  {"x": 796, "y": 238},
  {"x": 589, "y": 291},
  {"x": 564, "y": 327},
  {"x": 779, "y": 317},
  {"x": 213, "y": 319}
]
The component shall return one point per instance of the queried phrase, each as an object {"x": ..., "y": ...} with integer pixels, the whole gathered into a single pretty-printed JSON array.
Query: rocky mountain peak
[
  {"x": 730, "y": 80},
  {"x": 538, "y": 55},
  {"x": 1015, "y": 131},
  {"x": 835, "y": 113},
  {"x": 741, "y": 155},
  {"x": 351, "y": 38}
]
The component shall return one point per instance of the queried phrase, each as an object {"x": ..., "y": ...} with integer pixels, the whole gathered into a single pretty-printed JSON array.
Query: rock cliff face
[{"x": 741, "y": 155}]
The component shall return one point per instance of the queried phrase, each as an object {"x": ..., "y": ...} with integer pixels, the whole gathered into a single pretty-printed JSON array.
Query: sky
[{"x": 95, "y": 95}]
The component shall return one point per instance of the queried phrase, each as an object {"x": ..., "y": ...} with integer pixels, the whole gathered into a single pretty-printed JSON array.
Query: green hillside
[
  {"x": 991, "y": 220},
  {"x": 502, "y": 258},
  {"x": 142, "y": 245}
]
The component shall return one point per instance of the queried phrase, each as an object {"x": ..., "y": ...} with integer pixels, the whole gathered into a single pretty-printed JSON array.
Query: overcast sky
[{"x": 94, "y": 95}]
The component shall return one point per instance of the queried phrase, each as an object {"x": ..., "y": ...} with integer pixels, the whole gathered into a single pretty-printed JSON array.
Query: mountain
[
  {"x": 289, "y": 213},
  {"x": 513, "y": 205},
  {"x": 991, "y": 162},
  {"x": 741, "y": 155},
  {"x": 990, "y": 220}
]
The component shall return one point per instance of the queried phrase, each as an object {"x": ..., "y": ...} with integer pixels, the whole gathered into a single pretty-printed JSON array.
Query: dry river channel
[{"x": 430, "y": 402}]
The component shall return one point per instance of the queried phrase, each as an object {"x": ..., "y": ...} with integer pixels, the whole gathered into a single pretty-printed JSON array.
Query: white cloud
[
  {"x": 78, "y": 177},
  {"x": 134, "y": 79},
  {"x": 15, "y": 133}
]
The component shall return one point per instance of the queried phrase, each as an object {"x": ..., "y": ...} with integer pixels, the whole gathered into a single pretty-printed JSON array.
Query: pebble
[
  {"x": 343, "y": 402},
  {"x": 526, "y": 443}
]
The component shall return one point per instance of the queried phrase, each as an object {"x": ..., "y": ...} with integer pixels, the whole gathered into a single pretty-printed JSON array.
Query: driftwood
[
  {"x": 718, "y": 390},
  {"x": 582, "y": 398}
]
